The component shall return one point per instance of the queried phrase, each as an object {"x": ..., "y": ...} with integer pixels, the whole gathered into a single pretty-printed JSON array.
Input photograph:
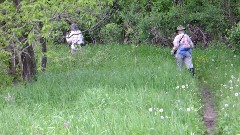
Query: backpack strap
[{"x": 181, "y": 39}]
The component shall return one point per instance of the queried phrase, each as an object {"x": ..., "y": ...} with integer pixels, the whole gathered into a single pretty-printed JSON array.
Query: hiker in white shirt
[
  {"x": 75, "y": 39},
  {"x": 182, "y": 49}
]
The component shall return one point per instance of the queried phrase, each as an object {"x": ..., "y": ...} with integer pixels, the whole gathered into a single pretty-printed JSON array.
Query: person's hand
[{"x": 172, "y": 52}]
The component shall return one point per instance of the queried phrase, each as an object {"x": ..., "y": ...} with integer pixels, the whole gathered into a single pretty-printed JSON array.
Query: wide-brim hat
[{"x": 180, "y": 27}]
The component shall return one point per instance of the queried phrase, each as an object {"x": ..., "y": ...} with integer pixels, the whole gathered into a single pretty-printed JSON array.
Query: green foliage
[
  {"x": 5, "y": 79},
  {"x": 216, "y": 44},
  {"x": 111, "y": 33},
  {"x": 234, "y": 37}
]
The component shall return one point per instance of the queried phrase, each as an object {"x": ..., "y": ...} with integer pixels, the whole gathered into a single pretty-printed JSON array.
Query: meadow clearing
[{"x": 123, "y": 89}]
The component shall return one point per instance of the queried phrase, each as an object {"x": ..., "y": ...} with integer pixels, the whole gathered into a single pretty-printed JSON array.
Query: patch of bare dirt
[{"x": 209, "y": 113}]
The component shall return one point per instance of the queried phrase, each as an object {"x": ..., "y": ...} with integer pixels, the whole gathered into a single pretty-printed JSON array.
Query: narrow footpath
[{"x": 209, "y": 113}]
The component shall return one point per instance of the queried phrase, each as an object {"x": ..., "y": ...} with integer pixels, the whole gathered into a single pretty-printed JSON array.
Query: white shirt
[
  {"x": 185, "y": 42},
  {"x": 75, "y": 38}
]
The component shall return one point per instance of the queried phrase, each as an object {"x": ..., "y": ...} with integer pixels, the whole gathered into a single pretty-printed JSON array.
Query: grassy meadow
[
  {"x": 110, "y": 89},
  {"x": 219, "y": 69}
]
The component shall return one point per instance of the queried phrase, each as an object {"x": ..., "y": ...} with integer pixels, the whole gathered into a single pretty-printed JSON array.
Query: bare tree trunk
[
  {"x": 44, "y": 50},
  {"x": 179, "y": 2},
  {"x": 28, "y": 63},
  {"x": 12, "y": 60},
  {"x": 229, "y": 13}
]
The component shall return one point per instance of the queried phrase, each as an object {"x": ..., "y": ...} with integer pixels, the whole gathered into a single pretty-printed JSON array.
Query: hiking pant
[
  {"x": 76, "y": 50},
  {"x": 184, "y": 59}
]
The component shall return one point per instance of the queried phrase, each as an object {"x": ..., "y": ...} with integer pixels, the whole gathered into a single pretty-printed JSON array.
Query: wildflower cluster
[
  {"x": 158, "y": 111},
  {"x": 9, "y": 98},
  {"x": 232, "y": 86},
  {"x": 229, "y": 106},
  {"x": 182, "y": 87}
]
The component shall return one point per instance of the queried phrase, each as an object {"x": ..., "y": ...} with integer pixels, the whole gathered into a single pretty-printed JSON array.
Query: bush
[
  {"x": 234, "y": 37},
  {"x": 111, "y": 33},
  {"x": 5, "y": 79},
  {"x": 217, "y": 45}
]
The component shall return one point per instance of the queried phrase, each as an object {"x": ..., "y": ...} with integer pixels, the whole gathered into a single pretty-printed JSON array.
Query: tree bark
[
  {"x": 13, "y": 62},
  {"x": 179, "y": 2},
  {"x": 229, "y": 13},
  {"x": 44, "y": 50},
  {"x": 28, "y": 63}
]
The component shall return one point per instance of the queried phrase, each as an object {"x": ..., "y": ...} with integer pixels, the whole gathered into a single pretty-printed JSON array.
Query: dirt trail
[{"x": 209, "y": 113}]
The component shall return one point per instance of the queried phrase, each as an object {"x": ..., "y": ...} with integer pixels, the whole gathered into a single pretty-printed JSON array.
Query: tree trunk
[
  {"x": 179, "y": 2},
  {"x": 27, "y": 56},
  {"x": 28, "y": 63},
  {"x": 12, "y": 60},
  {"x": 44, "y": 50},
  {"x": 229, "y": 13}
]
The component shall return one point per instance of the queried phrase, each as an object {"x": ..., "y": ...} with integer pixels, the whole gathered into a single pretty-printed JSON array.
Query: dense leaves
[{"x": 234, "y": 37}]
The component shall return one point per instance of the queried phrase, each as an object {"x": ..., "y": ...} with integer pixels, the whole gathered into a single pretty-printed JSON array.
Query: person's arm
[
  {"x": 190, "y": 42},
  {"x": 68, "y": 38},
  {"x": 175, "y": 44}
]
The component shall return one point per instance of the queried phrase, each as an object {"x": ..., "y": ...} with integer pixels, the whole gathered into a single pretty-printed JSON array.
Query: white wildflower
[
  {"x": 235, "y": 56},
  {"x": 230, "y": 81},
  {"x": 177, "y": 87},
  {"x": 183, "y": 86},
  {"x": 188, "y": 109},
  {"x": 231, "y": 88},
  {"x": 150, "y": 109},
  {"x": 232, "y": 65},
  {"x": 161, "y": 110},
  {"x": 236, "y": 85},
  {"x": 9, "y": 97},
  {"x": 162, "y": 117},
  {"x": 226, "y": 105},
  {"x": 232, "y": 76},
  {"x": 212, "y": 60},
  {"x": 236, "y": 94}
]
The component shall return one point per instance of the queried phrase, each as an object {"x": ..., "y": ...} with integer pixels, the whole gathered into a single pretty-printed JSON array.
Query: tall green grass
[
  {"x": 220, "y": 70},
  {"x": 112, "y": 89}
]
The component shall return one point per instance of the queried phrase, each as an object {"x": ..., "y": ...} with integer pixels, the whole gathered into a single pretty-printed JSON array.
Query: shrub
[
  {"x": 111, "y": 33},
  {"x": 5, "y": 79},
  {"x": 234, "y": 37}
]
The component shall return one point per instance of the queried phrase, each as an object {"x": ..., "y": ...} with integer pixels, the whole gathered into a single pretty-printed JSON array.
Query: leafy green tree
[{"x": 32, "y": 22}]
